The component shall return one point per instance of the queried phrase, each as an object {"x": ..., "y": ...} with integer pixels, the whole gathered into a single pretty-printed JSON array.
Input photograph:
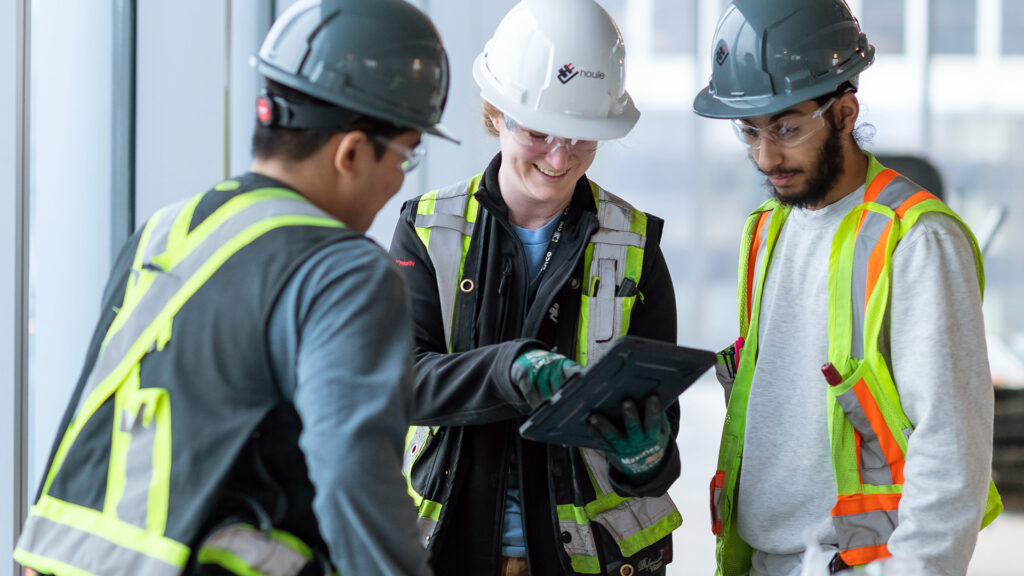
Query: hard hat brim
[{"x": 556, "y": 124}]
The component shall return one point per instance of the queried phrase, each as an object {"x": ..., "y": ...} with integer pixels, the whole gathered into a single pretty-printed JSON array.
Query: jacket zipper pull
[{"x": 505, "y": 274}]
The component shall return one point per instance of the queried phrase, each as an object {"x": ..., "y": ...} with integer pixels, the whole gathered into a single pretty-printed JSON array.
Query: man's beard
[{"x": 826, "y": 172}]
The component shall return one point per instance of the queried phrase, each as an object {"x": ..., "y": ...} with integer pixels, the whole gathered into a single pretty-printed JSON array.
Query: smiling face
[{"x": 538, "y": 178}]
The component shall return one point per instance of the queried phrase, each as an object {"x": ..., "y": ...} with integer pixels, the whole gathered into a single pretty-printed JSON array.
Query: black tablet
[{"x": 632, "y": 367}]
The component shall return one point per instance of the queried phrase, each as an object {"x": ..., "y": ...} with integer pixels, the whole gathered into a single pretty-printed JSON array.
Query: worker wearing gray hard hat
[
  {"x": 859, "y": 423},
  {"x": 246, "y": 395}
]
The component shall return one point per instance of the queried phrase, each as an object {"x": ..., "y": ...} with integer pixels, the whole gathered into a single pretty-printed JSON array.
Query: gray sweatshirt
[{"x": 939, "y": 363}]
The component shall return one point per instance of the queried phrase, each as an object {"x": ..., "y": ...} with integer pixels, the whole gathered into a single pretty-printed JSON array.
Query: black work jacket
[{"x": 470, "y": 389}]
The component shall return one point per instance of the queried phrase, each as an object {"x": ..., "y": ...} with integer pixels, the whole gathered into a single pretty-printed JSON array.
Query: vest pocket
[
  {"x": 139, "y": 483},
  {"x": 878, "y": 453},
  {"x": 601, "y": 320},
  {"x": 727, "y": 365}
]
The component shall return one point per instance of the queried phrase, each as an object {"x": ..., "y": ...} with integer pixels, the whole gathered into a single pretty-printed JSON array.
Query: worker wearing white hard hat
[{"x": 521, "y": 275}]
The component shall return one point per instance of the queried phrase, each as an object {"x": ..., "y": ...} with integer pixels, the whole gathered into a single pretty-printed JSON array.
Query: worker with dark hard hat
[
  {"x": 247, "y": 390},
  {"x": 859, "y": 397}
]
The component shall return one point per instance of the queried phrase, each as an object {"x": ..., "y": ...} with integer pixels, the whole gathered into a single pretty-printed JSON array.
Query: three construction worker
[
  {"x": 520, "y": 275},
  {"x": 252, "y": 363},
  {"x": 860, "y": 403}
]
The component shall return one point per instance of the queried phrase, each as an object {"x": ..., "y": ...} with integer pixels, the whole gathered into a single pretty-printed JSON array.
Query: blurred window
[
  {"x": 674, "y": 26},
  {"x": 1012, "y": 23},
  {"x": 953, "y": 26},
  {"x": 883, "y": 22}
]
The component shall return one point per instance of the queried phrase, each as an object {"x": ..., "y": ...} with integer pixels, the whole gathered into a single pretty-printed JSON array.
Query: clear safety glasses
[
  {"x": 540, "y": 143},
  {"x": 786, "y": 132},
  {"x": 413, "y": 156}
]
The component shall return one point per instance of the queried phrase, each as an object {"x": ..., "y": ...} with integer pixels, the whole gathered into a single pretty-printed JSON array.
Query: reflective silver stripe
[
  {"x": 450, "y": 221},
  {"x": 635, "y": 515},
  {"x": 581, "y": 538},
  {"x": 870, "y": 233},
  {"x": 167, "y": 284},
  {"x": 258, "y": 550},
  {"x": 90, "y": 553},
  {"x": 414, "y": 448},
  {"x": 608, "y": 262},
  {"x": 157, "y": 243},
  {"x": 598, "y": 465},
  {"x": 898, "y": 190},
  {"x": 445, "y": 249},
  {"x": 601, "y": 323},
  {"x": 427, "y": 527},
  {"x": 865, "y": 529},
  {"x": 874, "y": 469},
  {"x": 716, "y": 504},
  {"x": 631, "y": 516},
  {"x": 618, "y": 238},
  {"x": 134, "y": 503}
]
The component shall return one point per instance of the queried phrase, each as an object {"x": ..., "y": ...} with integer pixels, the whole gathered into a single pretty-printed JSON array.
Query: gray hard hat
[
  {"x": 770, "y": 55},
  {"x": 379, "y": 58}
]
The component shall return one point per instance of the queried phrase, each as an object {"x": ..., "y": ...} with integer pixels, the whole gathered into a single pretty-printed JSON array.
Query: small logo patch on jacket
[{"x": 409, "y": 263}]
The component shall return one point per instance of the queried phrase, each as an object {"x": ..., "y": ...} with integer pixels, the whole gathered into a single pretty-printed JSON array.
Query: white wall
[
  {"x": 70, "y": 203},
  {"x": 181, "y": 136},
  {"x": 9, "y": 326}
]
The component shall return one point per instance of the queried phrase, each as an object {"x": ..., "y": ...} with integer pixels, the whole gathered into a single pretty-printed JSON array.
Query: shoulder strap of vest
[
  {"x": 861, "y": 255},
  {"x": 444, "y": 223},
  {"x": 614, "y": 254},
  {"x": 171, "y": 264},
  {"x": 759, "y": 234}
]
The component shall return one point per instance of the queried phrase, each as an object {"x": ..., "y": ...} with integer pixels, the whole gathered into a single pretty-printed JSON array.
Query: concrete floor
[{"x": 703, "y": 409}]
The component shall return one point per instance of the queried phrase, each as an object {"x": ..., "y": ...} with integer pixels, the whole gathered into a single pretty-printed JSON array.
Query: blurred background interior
[{"x": 111, "y": 108}]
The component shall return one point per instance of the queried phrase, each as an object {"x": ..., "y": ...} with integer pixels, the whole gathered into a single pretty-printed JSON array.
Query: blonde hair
[{"x": 489, "y": 112}]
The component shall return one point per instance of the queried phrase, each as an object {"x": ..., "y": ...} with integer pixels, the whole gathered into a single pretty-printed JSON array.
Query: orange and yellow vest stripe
[{"x": 868, "y": 429}]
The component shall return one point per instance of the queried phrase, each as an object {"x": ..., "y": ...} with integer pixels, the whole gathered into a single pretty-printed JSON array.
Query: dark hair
[{"x": 297, "y": 144}]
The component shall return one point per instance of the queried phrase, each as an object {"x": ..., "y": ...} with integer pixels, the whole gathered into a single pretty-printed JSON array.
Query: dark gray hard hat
[
  {"x": 770, "y": 55},
  {"x": 379, "y": 58}
]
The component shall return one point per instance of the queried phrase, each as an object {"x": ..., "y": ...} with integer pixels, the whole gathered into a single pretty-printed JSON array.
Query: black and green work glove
[
  {"x": 639, "y": 451},
  {"x": 539, "y": 374}
]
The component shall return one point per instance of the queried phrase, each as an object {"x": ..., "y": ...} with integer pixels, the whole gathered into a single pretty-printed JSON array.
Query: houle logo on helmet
[
  {"x": 721, "y": 52},
  {"x": 568, "y": 72}
]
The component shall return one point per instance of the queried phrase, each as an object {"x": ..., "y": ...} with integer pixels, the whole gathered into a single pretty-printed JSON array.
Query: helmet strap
[{"x": 274, "y": 110}]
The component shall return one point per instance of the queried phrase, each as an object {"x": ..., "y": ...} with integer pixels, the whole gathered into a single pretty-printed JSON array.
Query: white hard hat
[{"x": 558, "y": 67}]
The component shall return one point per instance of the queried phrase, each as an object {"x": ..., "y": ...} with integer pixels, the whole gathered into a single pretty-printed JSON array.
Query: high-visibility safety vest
[
  {"x": 445, "y": 221},
  {"x": 176, "y": 391},
  {"x": 868, "y": 429}
]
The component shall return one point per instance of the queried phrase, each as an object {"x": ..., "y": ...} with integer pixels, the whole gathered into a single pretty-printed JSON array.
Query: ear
[
  {"x": 497, "y": 121},
  {"x": 348, "y": 152},
  {"x": 847, "y": 109}
]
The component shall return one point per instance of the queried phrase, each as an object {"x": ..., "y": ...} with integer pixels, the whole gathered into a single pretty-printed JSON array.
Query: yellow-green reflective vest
[
  {"x": 444, "y": 223},
  {"x": 123, "y": 421},
  {"x": 868, "y": 429}
]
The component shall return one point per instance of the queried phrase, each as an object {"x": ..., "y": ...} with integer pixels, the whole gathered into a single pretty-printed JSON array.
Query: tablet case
[{"x": 632, "y": 367}]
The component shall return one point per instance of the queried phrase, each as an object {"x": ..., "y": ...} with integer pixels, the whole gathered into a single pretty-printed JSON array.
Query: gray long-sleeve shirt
[
  {"x": 940, "y": 366},
  {"x": 341, "y": 343}
]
